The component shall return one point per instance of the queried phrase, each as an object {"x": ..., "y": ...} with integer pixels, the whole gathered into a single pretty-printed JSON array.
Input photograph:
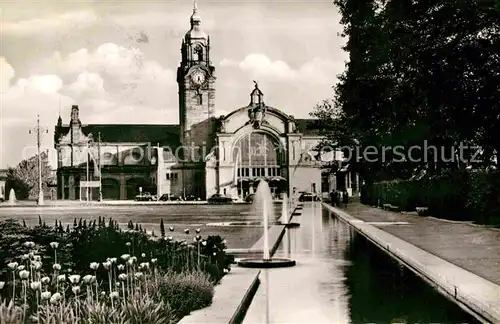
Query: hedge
[{"x": 461, "y": 195}]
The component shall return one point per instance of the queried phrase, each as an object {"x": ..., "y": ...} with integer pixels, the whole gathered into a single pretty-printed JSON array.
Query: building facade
[
  {"x": 3, "y": 189},
  {"x": 201, "y": 156}
]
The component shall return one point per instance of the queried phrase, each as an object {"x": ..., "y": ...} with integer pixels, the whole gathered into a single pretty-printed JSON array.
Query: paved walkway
[{"x": 474, "y": 248}]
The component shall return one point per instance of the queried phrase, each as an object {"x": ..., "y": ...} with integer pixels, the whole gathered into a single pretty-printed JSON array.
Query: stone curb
[
  {"x": 241, "y": 311},
  {"x": 395, "y": 247}
]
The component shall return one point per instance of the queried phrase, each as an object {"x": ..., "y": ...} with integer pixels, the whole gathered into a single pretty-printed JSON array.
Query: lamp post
[
  {"x": 38, "y": 130},
  {"x": 100, "y": 164}
]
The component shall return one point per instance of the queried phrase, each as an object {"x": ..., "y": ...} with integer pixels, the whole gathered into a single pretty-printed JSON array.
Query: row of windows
[
  {"x": 258, "y": 172},
  {"x": 172, "y": 176}
]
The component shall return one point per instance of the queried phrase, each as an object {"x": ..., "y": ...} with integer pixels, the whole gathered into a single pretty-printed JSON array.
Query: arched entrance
[
  {"x": 259, "y": 155},
  {"x": 110, "y": 189},
  {"x": 134, "y": 184}
]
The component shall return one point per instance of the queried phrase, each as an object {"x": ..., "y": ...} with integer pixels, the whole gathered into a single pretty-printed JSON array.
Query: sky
[{"x": 117, "y": 61}]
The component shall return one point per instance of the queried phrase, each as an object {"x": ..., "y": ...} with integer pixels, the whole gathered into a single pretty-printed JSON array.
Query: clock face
[{"x": 198, "y": 77}]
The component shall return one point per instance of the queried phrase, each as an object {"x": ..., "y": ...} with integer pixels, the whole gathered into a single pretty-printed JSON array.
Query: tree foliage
[
  {"x": 24, "y": 177},
  {"x": 420, "y": 74}
]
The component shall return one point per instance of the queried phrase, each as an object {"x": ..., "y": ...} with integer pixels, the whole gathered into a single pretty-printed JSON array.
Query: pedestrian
[
  {"x": 332, "y": 197},
  {"x": 345, "y": 198}
]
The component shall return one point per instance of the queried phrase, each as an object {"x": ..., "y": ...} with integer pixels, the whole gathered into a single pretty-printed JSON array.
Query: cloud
[
  {"x": 47, "y": 25},
  {"x": 315, "y": 71},
  {"x": 7, "y": 73},
  {"x": 111, "y": 84}
]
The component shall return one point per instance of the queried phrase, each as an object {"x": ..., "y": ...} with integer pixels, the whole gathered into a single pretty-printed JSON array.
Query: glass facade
[{"x": 258, "y": 155}]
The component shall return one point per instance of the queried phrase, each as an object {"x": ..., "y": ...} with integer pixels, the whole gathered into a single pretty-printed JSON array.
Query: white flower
[
  {"x": 204, "y": 243},
  {"x": 138, "y": 275},
  {"x": 93, "y": 279},
  {"x": 114, "y": 294},
  {"x": 12, "y": 265},
  {"x": 74, "y": 279},
  {"x": 128, "y": 244},
  {"x": 54, "y": 245},
  {"x": 144, "y": 265},
  {"x": 61, "y": 277},
  {"x": 37, "y": 265},
  {"x": 37, "y": 258},
  {"x": 29, "y": 244},
  {"x": 112, "y": 260},
  {"x": 23, "y": 274},
  {"x": 45, "y": 280},
  {"x": 56, "y": 267},
  {"x": 130, "y": 262},
  {"x": 46, "y": 295},
  {"x": 143, "y": 255},
  {"x": 103, "y": 293},
  {"x": 224, "y": 242},
  {"x": 106, "y": 265},
  {"x": 75, "y": 290},
  {"x": 153, "y": 261},
  {"x": 122, "y": 277},
  {"x": 25, "y": 257},
  {"x": 55, "y": 298},
  {"x": 125, "y": 257},
  {"x": 20, "y": 268},
  {"x": 87, "y": 279},
  {"x": 134, "y": 258},
  {"x": 120, "y": 267},
  {"x": 36, "y": 285},
  {"x": 171, "y": 229},
  {"x": 2, "y": 284},
  {"x": 198, "y": 230},
  {"x": 94, "y": 265}
]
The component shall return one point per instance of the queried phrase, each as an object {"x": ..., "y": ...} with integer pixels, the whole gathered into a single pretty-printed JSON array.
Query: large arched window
[{"x": 258, "y": 154}]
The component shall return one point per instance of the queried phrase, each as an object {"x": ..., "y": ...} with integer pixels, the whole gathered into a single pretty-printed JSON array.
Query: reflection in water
[
  {"x": 383, "y": 290},
  {"x": 341, "y": 278}
]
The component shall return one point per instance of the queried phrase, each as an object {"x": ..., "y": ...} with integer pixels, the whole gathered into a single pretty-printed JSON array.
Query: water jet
[
  {"x": 12, "y": 197},
  {"x": 285, "y": 214},
  {"x": 263, "y": 203}
]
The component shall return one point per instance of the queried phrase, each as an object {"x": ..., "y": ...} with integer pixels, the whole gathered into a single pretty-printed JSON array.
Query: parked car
[
  {"x": 249, "y": 198},
  {"x": 169, "y": 197},
  {"x": 308, "y": 196},
  {"x": 146, "y": 196},
  {"x": 220, "y": 199}
]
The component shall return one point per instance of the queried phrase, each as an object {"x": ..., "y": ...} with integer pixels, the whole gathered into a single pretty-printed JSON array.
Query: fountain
[
  {"x": 285, "y": 213},
  {"x": 12, "y": 196},
  {"x": 263, "y": 202}
]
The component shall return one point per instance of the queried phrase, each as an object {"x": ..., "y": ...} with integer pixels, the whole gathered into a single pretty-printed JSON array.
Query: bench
[{"x": 390, "y": 207}]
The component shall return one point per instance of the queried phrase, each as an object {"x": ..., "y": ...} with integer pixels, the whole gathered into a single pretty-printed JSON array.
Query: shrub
[
  {"x": 143, "y": 309},
  {"x": 460, "y": 195},
  {"x": 186, "y": 292}
]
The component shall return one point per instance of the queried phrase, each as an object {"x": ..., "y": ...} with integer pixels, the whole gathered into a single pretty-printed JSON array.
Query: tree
[
  {"x": 24, "y": 177},
  {"x": 418, "y": 72}
]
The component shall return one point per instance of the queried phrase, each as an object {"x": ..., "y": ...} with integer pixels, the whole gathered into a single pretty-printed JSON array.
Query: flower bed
[{"x": 97, "y": 273}]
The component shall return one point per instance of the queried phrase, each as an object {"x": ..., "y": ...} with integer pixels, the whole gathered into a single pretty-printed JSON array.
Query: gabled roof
[{"x": 132, "y": 133}]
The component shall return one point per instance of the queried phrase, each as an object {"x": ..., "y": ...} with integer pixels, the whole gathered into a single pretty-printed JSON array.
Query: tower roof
[{"x": 195, "y": 32}]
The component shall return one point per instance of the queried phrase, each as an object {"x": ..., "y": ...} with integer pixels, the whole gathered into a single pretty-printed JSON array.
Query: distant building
[
  {"x": 201, "y": 156},
  {"x": 3, "y": 181}
]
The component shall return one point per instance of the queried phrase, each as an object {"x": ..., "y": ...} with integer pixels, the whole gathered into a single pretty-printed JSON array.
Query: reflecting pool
[{"x": 340, "y": 277}]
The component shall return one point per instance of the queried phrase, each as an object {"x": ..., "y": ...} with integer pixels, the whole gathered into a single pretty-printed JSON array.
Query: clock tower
[{"x": 196, "y": 79}]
